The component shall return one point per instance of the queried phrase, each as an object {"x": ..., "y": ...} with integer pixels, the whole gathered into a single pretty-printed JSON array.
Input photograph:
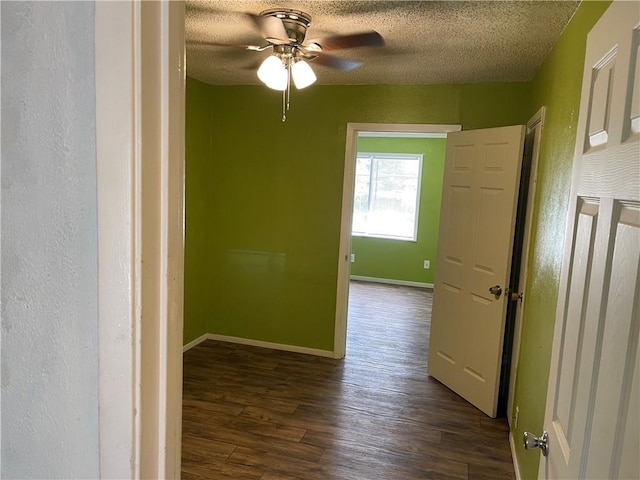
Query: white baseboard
[
  {"x": 195, "y": 342},
  {"x": 514, "y": 457},
  {"x": 391, "y": 281},
  {"x": 259, "y": 343}
]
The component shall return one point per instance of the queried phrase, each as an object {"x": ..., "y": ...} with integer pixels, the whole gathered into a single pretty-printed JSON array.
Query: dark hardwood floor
[{"x": 254, "y": 413}]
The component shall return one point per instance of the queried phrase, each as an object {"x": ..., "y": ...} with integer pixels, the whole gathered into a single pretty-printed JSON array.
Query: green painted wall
[
  {"x": 197, "y": 276},
  {"x": 263, "y": 201},
  {"x": 557, "y": 85},
  {"x": 263, "y": 213},
  {"x": 396, "y": 259}
]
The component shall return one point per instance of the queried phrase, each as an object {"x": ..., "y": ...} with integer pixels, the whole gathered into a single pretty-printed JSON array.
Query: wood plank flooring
[{"x": 254, "y": 413}]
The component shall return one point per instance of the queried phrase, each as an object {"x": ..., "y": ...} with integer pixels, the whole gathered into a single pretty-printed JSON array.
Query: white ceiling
[{"x": 426, "y": 41}]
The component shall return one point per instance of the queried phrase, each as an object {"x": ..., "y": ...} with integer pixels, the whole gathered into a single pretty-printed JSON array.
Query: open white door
[
  {"x": 592, "y": 413},
  {"x": 479, "y": 199}
]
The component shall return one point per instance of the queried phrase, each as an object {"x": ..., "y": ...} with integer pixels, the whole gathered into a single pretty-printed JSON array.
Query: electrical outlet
[
  {"x": 353, "y": 257},
  {"x": 427, "y": 264}
]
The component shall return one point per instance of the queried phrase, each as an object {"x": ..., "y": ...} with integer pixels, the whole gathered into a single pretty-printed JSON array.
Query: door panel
[
  {"x": 628, "y": 463},
  {"x": 458, "y": 228},
  {"x": 616, "y": 349},
  {"x": 592, "y": 401},
  {"x": 574, "y": 332},
  {"x": 632, "y": 116},
  {"x": 482, "y": 169}
]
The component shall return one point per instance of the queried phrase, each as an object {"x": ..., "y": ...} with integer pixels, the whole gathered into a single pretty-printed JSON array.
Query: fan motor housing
[{"x": 295, "y": 22}]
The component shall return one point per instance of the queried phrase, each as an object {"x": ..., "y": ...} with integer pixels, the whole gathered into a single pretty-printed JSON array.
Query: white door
[
  {"x": 482, "y": 172},
  {"x": 592, "y": 413}
]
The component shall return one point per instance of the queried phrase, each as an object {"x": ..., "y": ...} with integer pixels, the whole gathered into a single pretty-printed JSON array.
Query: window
[{"x": 387, "y": 194}]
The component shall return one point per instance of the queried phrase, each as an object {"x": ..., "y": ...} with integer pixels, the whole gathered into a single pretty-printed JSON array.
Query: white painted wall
[{"x": 48, "y": 251}]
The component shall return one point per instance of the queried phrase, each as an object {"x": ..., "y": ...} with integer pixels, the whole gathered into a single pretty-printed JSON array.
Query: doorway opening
[
  {"x": 518, "y": 276},
  {"x": 354, "y": 132}
]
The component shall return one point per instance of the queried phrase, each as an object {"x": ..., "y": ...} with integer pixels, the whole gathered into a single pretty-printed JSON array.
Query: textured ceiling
[{"x": 426, "y": 41}]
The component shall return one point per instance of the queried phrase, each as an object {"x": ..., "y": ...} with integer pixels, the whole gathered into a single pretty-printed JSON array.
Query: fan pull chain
[
  {"x": 284, "y": 103},
  {"x": 286, "y": 93},
  {"x": 285, "y": 97},
  {"x": 288, "y": 82}
]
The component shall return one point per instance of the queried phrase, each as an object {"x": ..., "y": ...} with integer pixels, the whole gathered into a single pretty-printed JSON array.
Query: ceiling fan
[{"x": 284, "y": 31}]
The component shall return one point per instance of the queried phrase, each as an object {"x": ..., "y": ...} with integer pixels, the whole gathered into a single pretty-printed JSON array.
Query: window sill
[{"x": 385, "y": 237}]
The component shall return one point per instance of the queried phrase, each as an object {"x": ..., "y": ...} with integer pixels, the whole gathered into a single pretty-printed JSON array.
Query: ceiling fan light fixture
[
  {"x": 302, "y": 74},
  {"x": 273, "y": 73},
  {"x": 280, "y": 83}
]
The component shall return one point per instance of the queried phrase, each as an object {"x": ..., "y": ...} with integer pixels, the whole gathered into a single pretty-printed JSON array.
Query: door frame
[
  {"x": 348, "y": 191},
  {"x": 535, "y": 126},
  {"x": 140, "y": 87}
]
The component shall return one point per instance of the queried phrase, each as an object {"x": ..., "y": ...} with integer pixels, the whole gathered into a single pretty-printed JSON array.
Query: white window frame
[{"x": 395, "y": 156}]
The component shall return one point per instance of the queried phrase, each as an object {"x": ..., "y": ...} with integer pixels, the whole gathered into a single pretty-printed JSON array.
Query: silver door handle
[
  {"x": 496, "y": 290},
  {"x": 530, "y": 441}
]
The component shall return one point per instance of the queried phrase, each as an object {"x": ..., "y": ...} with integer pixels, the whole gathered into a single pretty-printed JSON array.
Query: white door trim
[
  {"x": 536, "y": 125},
  {"x": 0, "y": 218},
  {"x": 344, "y": 265},
  {"x": 140, "y": 168}
]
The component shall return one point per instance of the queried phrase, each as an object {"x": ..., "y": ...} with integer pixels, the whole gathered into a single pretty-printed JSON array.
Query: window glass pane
[
  {"x": 386, "y": 195},
  {"x": 361, "y": 197}
]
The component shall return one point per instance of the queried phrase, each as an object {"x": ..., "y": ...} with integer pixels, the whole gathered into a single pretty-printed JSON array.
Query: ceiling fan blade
[
  {"x": 362, "y": 39},
  {"x": 339, "y": 63},
  {"x": 199, "y": 43},
  {"x": 271, "y": 28},
  {"x": 254, "y": 64}
]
